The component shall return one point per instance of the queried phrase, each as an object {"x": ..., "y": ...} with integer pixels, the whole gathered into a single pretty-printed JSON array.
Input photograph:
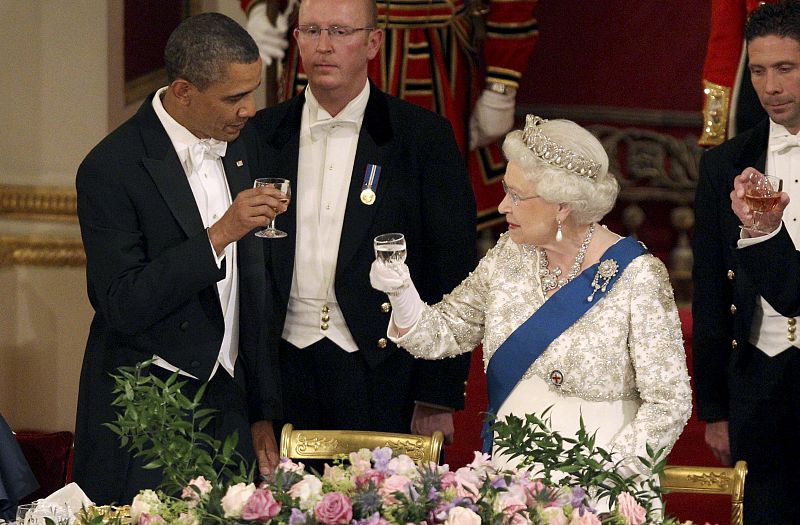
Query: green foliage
[
  {"x": 577, "y": 461},
  {"x": 164, "y": 428}
]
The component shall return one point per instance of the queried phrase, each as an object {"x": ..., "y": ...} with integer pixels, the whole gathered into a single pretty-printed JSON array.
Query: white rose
[
  {"x": 145, "y": 502},
  {"x": 462, "y": 516},
  {"x": 308, "y": 490},
  {"x": 404, "y": 466},
  {"x": 235, "y": 499}
]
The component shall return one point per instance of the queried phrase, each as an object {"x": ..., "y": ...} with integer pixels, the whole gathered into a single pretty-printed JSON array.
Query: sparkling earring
[{"x": 559, "y": 234}]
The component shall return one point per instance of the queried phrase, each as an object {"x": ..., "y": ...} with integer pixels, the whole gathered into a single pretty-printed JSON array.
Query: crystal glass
[
  {"x": 390, "y": 248},
  {"x": 38, "y": 512},
  {"x": 761, "y": 194},
  {"x": 270, "y": 232}
]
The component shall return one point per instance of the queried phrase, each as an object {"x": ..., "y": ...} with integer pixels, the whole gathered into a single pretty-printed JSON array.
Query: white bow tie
[
  {"x": 324, "y": 127},
  {"x": 783, "y": 143},
  {"x": 206, "y": 148}
]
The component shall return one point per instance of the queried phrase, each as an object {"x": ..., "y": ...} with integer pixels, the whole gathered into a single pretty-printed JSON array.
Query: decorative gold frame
[
  {"x": 709, "y": 480},
  {"x": 32, "y": 250},
  {"x": 330, "y": 444},
  {"x": 39, "y": 203}
]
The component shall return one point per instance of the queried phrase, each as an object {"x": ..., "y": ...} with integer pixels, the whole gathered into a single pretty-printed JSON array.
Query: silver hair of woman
[{"x": 557, "y": 155}]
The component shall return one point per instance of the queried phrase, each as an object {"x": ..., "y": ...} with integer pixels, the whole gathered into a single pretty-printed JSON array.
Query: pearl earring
[{"x": 559, "y": 233}]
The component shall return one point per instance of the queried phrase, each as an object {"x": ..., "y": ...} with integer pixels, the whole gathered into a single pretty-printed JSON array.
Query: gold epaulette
[{"x": 715, "y": 114}]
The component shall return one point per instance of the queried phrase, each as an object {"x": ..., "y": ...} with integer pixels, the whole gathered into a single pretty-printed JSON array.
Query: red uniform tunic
[
  {"x": 722, "y": 69},
  {"x": 429, "y": 58}
]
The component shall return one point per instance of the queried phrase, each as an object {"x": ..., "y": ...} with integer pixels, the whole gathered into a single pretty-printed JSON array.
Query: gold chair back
[
  {"x": 329, "y": 444},
  {"x": 709, "y": 480}
]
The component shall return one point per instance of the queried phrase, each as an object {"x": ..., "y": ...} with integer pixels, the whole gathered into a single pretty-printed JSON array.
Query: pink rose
[
  {"x": 587, "y": 519},
  {"x": 261, "y": 506},
  {"x": 462, "y": 516},
  {"x": 288, "y": 465},
  {"x": 448, "y": 480},
  {"x": 630, "y": 509},
  {"x": 392, "y": 484},
  {"x": 147, "y": 519},
  {"x": 375, "y": 476},
  {"x": 196, "y": 488},
  {"x": 512, "y": 504},
  {"x": 334, "y": 508}
]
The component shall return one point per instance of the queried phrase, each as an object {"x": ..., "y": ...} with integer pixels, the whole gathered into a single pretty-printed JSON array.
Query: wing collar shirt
[
  {"x": 202, "y": 162},
  {"x": 771, "y": 332},
  {"x": 324, "y": 169}
]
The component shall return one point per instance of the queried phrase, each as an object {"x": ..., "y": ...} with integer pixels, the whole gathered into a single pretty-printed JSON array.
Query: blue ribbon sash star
[{"x": 371, "y": 176}]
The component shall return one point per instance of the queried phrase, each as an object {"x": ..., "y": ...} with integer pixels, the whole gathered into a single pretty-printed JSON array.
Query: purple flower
[
  {"x": 298, "y": 517},
  {"x": 374, "y": 519},
  {"x": 499, "y": 483},
  {"x": 578, "y": 497},
  {"x": 380, "y": 458}
]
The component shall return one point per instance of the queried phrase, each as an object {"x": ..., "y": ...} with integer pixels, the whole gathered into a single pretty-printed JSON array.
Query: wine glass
[
  {"x": 390, "y": 248},
  {"x": 270, "y": 232},
  {"x": 761, "y": 194},
  {"x": 35, "y": 513}
]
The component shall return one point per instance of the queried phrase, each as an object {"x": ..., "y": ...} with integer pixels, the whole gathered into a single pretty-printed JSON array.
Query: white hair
[{"x": 589, "y": 200}]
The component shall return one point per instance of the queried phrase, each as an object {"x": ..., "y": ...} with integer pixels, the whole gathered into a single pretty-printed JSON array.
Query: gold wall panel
[{"x": 38, "y": 203}]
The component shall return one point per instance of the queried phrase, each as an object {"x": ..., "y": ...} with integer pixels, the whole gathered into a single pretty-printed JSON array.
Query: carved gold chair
[
  {"x": 330, "y": 444},
  {"x": 709, "y": 480}
]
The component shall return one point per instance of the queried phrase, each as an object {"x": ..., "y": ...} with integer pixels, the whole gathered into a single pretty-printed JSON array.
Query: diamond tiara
[{"x": 554, "y": 154}]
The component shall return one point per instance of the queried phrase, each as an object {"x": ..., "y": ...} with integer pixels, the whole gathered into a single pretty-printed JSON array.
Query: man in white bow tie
[
  {"x": 747, "y": 282},
  {"x": 363, "y": 163},
  {"x": 166, "y": 209}
]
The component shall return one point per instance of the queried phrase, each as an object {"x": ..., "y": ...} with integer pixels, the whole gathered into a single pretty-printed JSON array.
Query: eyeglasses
[
  {"x": 515, "y": 198},
  {"x": 334, "y": 32}
]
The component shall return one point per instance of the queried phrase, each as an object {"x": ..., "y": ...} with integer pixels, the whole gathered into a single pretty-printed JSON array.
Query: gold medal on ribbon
[
  {"x": 367, "y": 196},
  {"x": 371, "y": 176}
]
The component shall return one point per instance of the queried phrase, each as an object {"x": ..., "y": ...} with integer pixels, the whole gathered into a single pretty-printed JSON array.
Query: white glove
[
  {"x": 492, "y": 117},
  {"x": 395, "y": 281},
  {"x": 271, "y": 40}
]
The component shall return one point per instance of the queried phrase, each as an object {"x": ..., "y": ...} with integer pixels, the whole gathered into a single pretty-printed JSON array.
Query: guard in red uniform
[
  {"x": 460, "y": 58},
  {"x": 731, "y": 105}
]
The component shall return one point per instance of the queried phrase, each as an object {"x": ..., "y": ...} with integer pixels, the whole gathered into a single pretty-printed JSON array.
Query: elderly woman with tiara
[{"x": 571, "y": 315}]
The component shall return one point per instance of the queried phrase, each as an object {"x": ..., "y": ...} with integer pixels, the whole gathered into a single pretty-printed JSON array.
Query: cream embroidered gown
[{"x": 622, "y": 365}]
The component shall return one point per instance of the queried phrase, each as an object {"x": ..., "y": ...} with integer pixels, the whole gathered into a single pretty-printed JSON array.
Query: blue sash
[{"x": 513, "y": 358}]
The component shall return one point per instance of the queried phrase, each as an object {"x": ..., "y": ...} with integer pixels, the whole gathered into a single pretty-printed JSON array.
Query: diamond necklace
[{"x": 550, "y": 279}]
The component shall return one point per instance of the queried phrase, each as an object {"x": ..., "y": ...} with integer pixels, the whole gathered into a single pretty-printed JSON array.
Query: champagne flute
[
  {"x": 390, "y": 248},
  {"x": 761, "y": 195},
  {"x": 270, "y": 232}
]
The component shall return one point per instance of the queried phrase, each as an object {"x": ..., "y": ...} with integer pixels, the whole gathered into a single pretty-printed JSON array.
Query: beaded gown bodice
[{"x": 628, "y": 348}]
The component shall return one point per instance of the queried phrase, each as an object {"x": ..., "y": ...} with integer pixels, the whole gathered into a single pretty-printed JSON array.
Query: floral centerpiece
[{"x": 204, "y": 482}]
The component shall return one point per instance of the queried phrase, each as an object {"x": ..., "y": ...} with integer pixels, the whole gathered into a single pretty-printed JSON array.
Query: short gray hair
[
  {"x": 589, "y": 200},
  {"x": 203, "y": 46}
]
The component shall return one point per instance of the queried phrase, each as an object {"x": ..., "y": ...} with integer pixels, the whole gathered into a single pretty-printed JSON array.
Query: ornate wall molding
[
  {"x": 31, "y": 250},
  {"x": 39, "y": 203}
]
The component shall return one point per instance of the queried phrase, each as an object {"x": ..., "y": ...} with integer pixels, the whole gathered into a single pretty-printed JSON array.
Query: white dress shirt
[
  {"x": 213, "y": 198},
  {"x": 324, "y": 170},
  {"x": 771, "y": 332}
]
